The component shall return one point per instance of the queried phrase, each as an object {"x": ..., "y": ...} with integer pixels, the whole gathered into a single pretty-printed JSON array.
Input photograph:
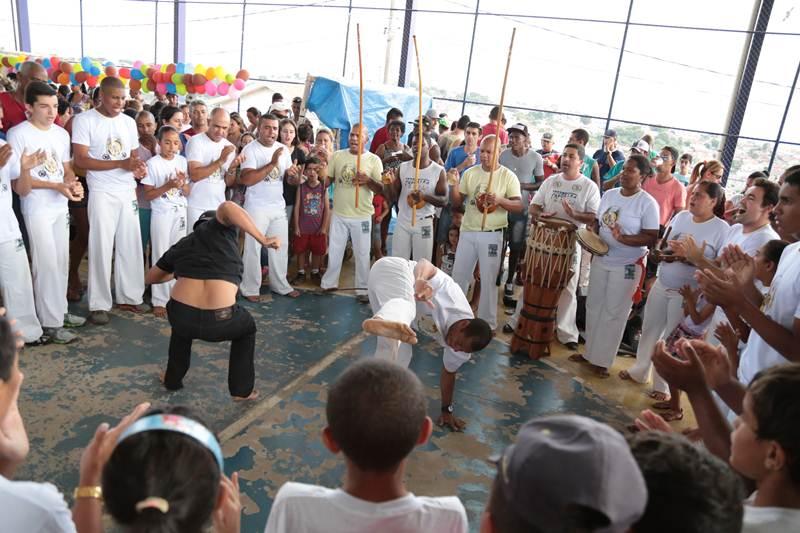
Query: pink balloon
[
  {"x": 161, "y": 88},
  {"x": 222, "y": 89},
  {"x": 238, "y": 84},
  {"x": 138, "y": 63},
  {"x": 211, "y": 89}
]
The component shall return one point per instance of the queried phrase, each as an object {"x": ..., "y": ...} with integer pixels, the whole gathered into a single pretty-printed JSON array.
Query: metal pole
[
  {"x": 389, "y": 38},
  {"x": 179, "y": 42},
  {"x": 619, "y": 66},
  {"x": 80, "y": 10},
  {"x": 783, "y": 120},
  {"x": 155, "y": 44},
  {"x": 23, "y": 26},
  {"x": 407, "y": 23},
  {"x": 469, "y": 61},
  {"x": 241, "y": 53},
  {"x": 747, "y": 75},
  {"x": 347, "y": 38}
]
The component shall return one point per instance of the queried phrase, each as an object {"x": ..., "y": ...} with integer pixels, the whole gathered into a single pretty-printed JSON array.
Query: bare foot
[
  {"x": 160, "y": 312},
  {"x": 391, "y": 330},
  {"x": 293, "y": 294},
  {"x": 252, "y": 396},
  {"x": 623, "y": 374},
  {"x": 658, "y": 396},
  {"x": 254, "y": 299}
]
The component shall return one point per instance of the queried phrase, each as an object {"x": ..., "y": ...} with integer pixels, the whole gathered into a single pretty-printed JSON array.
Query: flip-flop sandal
[
  {"x": 662, "y": 406},
  {"x": 672, "y": 416},
  {"x": 658, "y": 396},
  {"x": 577, "y": 358}
]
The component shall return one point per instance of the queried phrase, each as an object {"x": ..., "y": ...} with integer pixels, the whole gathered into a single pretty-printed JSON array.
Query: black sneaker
[
  {"x": 507, "y": 328},
  {"x": 316, "y": 277},
  {"x": 572, "y": 346},
  {"x": 509, "y": 302},
  {"x": 508, "y": 290},
  {"x": 300, "y": 277}
]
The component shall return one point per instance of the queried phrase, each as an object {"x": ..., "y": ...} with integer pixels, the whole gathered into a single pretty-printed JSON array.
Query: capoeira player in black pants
[
  {"x": 400, "y": 291},
  {"x": 208, "y": 269}
]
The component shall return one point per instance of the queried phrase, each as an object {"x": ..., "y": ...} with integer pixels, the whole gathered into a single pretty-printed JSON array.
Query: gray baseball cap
[{"x": 563, "y": 461}]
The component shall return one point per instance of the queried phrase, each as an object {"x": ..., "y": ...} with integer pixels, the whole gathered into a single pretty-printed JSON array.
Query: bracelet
[{"x": 91, "y": 491}]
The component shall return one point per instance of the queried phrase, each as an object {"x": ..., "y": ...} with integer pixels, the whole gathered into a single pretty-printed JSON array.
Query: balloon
[
  {"x": 53, "y": 75},
  {"x": 95, "y": 70},
  {"x": 199, "y": 79},
  {"x": 187, "y": 79},
  {"x": 108, "y": 64},
  {"x": 200, "y": 89},
  {"x": 125, "y": 73},
  {"x": 55, "y": 62},
  {"x": 92, "y": 81},
  {"x": 238, "y": 84},
  {"x": 136, "y": 85},
  {"x": 138, "y": 63},
  {"x": 163, "y": 68},
  {"x": 209, "y": 86},
  {"x": 171, "y": 88},
  {"x": 211, "y": 91},
  {"x": 199, "y": 69},
  {"x": 243, "y": 75},
  {"x": 77, "y": 67},
  {"x": 110, "y": 71},
  {"x": 46, "y": 62},
  {"x": 229, "y": 78},
  {"x": 144, "y": 70},
  {"x": 86, "y": 63},
  {"x": 171, "y": 68},
  {"x": 222, "y": 89},
  {"x": 180, "y": 89},
  {"x": 177, "y": 78},
  {"x": 161, "y": 88},
  {"x": 211, "y": 73},
  {"x": 66, "y": 67},
  {"x": 151, "y": 85},
  {"x": 81, "y": 77}
]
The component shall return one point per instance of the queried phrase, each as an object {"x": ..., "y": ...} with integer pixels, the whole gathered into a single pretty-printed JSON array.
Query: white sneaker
[
  {"x": 73, "y": 321},
  {"x": 59, "y": 335}
]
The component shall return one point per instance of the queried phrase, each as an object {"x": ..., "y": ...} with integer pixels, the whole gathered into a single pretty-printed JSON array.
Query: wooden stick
[
  {"x": 496, "y": 150},
  {"x": 419, "y": 135},
  {"x": 360, "y": 108}
]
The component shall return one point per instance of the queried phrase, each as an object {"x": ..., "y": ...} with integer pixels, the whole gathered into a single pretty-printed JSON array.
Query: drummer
[
  {"x": 628, "y": 225},
  {"x": 572, "y": 196}
]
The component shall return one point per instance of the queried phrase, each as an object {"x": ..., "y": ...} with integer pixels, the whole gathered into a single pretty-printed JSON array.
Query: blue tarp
[{"x": 335, "y": 102}]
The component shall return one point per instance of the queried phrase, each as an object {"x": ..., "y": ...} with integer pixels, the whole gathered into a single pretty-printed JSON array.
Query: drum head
[
  {"x": 592, "y": 242},
  {"x": 557, "y": 223}
]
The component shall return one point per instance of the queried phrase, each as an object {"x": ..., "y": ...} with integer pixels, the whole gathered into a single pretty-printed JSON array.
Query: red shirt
[
  {"x": 380, "y": 137},
  {"x": 13, "y": 111},
  {"x": 378, "y": 201},
  {"x": 491, "y": 129}
]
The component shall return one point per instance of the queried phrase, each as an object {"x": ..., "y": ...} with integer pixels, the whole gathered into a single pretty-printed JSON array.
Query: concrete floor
[{"x": 302, "y": 345}]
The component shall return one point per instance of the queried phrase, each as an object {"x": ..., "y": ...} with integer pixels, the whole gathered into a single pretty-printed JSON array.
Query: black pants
[{"x": 229, "y": 324}]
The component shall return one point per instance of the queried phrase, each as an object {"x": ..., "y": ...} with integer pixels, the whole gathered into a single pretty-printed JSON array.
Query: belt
[{"x": 492, "y": 230}]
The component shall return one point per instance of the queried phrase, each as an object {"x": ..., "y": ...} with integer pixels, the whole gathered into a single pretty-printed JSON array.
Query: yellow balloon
[
  {"x": 21, "y": 58},
  {"x": 163, "y": 68},
  {"x": 199, "y": 69},
  {"x": 77, "y": 68}
]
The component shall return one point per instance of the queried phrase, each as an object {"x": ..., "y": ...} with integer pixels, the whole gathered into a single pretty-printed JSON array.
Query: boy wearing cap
[
  {"x": 610, "y": 155},
  {"x": 527, "y": 165},
  {"x": 565, "y": 473},
  {"x": 549, "y": 156},
  {"x": 376, "y": 416}
]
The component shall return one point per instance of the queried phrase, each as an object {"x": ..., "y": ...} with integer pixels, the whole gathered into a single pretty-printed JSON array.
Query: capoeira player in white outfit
[{"x": 402, "y": 291}]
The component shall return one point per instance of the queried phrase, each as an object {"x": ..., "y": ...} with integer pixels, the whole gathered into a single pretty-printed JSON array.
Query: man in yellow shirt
[
  {"x": 350, "y": 219},
  {"x": 484, "y": 245}
]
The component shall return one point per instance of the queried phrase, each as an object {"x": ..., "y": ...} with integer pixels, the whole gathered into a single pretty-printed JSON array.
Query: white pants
[
  {"x": 166, "y": 228},
  {"x": 662, "y": 313},
  {"x": 114, "y": 231},
  {"x": 359, "y": 231},
  {"x": 611, "y": 290},
  {"x": 417, "y": 240},
  {"x": 391, "y": 296},
  {"x": 483, "y": 248},
  {"x": 48, "y": 233},
  {"x": 272, "y": 223},
  {"x": 566, "y": 328},
  {"x": 17, "y": 290}
]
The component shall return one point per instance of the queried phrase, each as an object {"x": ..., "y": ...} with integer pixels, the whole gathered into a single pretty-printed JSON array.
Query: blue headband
[{"x": 178, "y": 424}]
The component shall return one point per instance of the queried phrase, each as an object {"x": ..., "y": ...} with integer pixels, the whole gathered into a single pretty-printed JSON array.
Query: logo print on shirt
[
  {"x": 610, "y": 217},
  {"x": 274, "y": 175},
  {"x": 115, "y": 150},
  {"x": 50, "y": 167},
  {"x": 347, "y": 176}
]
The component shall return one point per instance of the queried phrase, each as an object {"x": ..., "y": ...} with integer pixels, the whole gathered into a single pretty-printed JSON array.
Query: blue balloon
[
  {"x": 95, "y": 70},
  {"x": 86, "y": 63},
  {"x": 46, "y": 62},
  {"x": 72, "y": 79},
  {"x": 108, "y": 64},
  {"x": 171, "y": 88},
  {"x": 179, "y": 68},
  {"x": 136, "y": 74}
]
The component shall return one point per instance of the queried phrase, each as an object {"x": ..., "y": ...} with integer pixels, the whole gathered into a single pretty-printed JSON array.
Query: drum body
[{"x": 548, "y": 262}]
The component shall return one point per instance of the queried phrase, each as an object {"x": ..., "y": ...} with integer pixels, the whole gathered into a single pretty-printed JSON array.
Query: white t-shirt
[
  {"x": 751, "y": 242},
  {"x": 449, "y": 306},
  {"x": 302, "y": 508},
  {"x": 108, "y": 139},
  {"x": 159, "y": 171},
  {"x": 782, "y": 305},
  {"x": 770, "y": 519},
  {"x": 581, "y": 193},
  {"x": 633, "y": 214},
  {"x": 27, "y": 138},
  {"x": 428, "y": 177},
  {"x": 9, "y": 227},
  {"x": 713, "y": 232},
  {"x": 269, "y": 191},
  {"x": 145, "y": 155},
  {"x": 209, "y": 192},
  {"x": 526, "y": 168},
  {"x": 33, "y": 508}
]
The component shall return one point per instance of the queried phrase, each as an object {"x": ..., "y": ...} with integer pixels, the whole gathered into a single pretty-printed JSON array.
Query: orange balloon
[
  {"x": 243, "y": 75},
  {"x": 63, "y": 78},
  {"x": 136, "y": 85}
]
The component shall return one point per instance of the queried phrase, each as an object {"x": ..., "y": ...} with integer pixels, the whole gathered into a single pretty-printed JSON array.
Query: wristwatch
[
  {"x": 448, "y": 408},
  {"x": 95, "y": 492}
]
